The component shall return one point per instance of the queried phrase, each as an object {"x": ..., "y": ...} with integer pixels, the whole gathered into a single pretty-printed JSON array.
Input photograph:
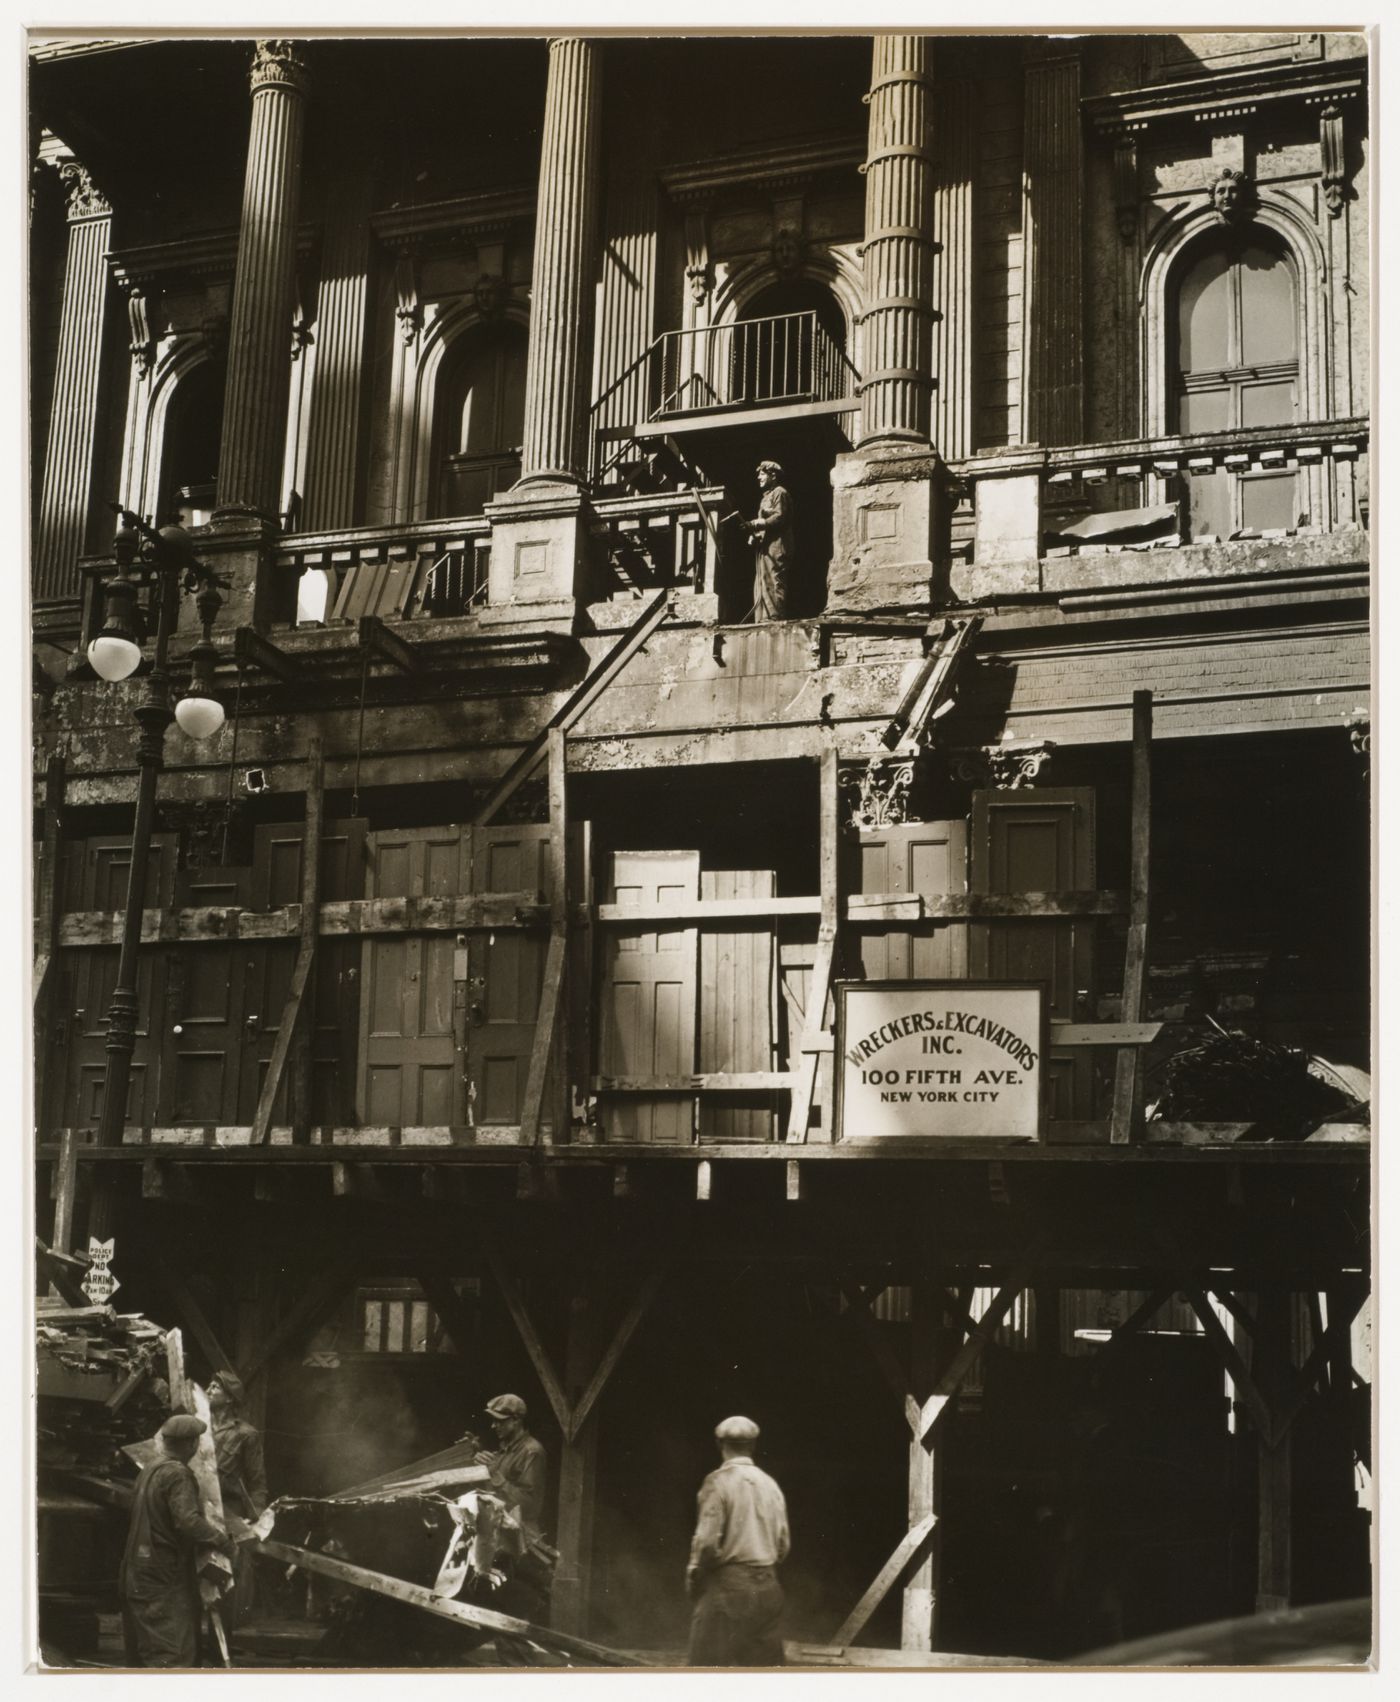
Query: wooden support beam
[
  {"x": 62, "y": 1271},
  {"x": 1235, "y": 1307},
  {"x": 578, "y": 1463},
  {"x": 1338, "y": 1330},
  {"x": 306, "y": 954},
  {"x": 529, "y": 1335},
  {"x": 64, "y": 1187},
  {"x": 1141, "y": 1314},
  {"x": 794, "y": 1180},
  {"x": 1126, "y": 1081},
  {"x": 971, "y": 1350},
  {"x": 748, "y": 1081},
  {"x": 637, "y": 1309},
  {"x": 192, "y": 1313},
  {"x": 319, "y": 1296},
  {"x": 544, "y": 1050},
  {"x": 858, "y": 1309},
  {"x": 180, "y": 1398},
  {"x": 252, "y": 650},
  {"x": 909, "y": 1552},
  {"x": 819, "y": 986},
  {"x": 1272, "y": 1363},
  {"x": 374, "y": 636},
  {"x": 1229, "y": 1355},
  {"x": 415, "y": 1595},
  {"x": 703, "y": 1179},
  {"x": 575, "y": 705},
  {"x": 919, "y": 1619},
  {"x": 355, "y": 1182},
  {"x": 47, "y": 911}
]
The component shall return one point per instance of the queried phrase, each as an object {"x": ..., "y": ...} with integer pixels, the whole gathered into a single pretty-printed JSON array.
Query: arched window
[
  {"x": 189, "y": 463},
  {"x": 1236, "y": 367},
  {"x": 479, "y": 420}
]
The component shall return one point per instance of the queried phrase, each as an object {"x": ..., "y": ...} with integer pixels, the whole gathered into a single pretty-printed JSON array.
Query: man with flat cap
[
  {"x": 159, "y": 1588},
  {"x": 518, "y": 1470},
  {"x": 741, "y": 1537}
]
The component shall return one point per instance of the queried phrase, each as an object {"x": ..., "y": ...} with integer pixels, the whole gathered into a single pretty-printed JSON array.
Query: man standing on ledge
[
  {"x": 741, "y": 1536},
  {"x": 159, "y": 1588},
  {"x": 771, "y": 533}
]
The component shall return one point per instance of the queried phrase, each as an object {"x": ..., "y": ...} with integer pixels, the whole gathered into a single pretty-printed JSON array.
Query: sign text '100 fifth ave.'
[{"x": 955, "y": 1060}]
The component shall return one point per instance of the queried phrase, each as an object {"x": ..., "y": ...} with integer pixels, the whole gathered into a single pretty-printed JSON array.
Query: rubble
[{"x": 100, "y": 1387}]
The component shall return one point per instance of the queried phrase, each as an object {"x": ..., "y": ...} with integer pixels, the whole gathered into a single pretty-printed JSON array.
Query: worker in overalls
[{"x": 159, "y": 1587}]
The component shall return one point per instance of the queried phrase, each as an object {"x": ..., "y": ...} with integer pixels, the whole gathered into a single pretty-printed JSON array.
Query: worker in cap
[
  {"x": 159, "y": 1589},
  {"x": 771, "y": 534},
  {"x": 238, "y": 1452},
  {"x": 518, "y": 1468},
  {"x": 741, "y": 1538}
]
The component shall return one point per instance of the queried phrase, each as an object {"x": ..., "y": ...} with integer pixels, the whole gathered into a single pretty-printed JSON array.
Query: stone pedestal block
[
  {"x": 539, "y": 545},
  {"x": 886, "y": 518}
]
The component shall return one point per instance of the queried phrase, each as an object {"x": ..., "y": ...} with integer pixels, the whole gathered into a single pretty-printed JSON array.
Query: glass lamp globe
[
  {"x": 200, "y": 717},
  {"x": 113, "y": 657}
]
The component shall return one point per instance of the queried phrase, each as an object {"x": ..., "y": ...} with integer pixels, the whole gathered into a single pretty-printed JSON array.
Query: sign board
[
  {"x": 99, "y": 1284},
  {"x": 945, "y": 1060}
]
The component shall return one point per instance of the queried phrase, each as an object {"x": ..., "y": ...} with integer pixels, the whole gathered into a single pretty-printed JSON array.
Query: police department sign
[{"x": 956, "y": 1060}]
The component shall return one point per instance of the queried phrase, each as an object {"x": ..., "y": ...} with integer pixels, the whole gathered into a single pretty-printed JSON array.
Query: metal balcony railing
[{"x": 752, "y": 363}]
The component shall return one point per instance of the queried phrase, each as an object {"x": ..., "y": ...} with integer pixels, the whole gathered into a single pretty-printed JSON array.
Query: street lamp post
[{"x": 168, "y": 556}]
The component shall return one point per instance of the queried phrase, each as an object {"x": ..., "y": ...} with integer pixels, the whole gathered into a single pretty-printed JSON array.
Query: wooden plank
[
  {"x": 65, "y": 1190},
  {"x": 1104, "y": 1033},
  {"x": 921, "y": 1597},
  {"x": 306, "y": 951},
  {"x": 971, "y": 1350},
  {"x": 575, "y": 705},
  {"x": 1126, "y": 1075},
  {"x": 175, "y": 1372},
  {"x": 539, "y": 1358},
  {"x": 793, "y": 1180},
  {"x": 193, "y": 1314},
  {"x": 907, "y": 1553},
  {"x": 705, "y": 910},
  {"x": 735, "y": 1004},
  {"x": 1230, "y": 1358},
  {"x": 315, "y": 1301},
  {"x": 980, "y": 906},
  {"x": 46, "y": 915},
  {"x": 556, "y": 959},
  {"x": 819, "y": 985},
  {"x": 479, "y": 1618},
  {"x": 63, "y": 1271},
  {"x": 746, "y": 1081},
  {"x": 636, "y": 1311}
]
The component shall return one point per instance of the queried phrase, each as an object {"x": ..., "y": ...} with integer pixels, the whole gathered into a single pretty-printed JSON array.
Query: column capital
[
  {"x": 278, "y": 63},
  {"x": 85, "y": 199}
]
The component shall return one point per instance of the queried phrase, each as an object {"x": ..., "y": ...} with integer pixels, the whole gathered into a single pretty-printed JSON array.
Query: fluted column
[
  {"x": 264, "y": 290},
  {"x": 60, "y": 532},
  {"x": 562, "y": 288},
  {"x": 333, "y": 450},
  {"x": 1053, "y": 226},
  {"x": 897, "y": 340}
]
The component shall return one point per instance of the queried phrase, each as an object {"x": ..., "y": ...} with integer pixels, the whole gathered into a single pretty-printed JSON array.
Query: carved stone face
[
  {"x": 787, "y": 252},
  {"x": 1228, "y": 194},
  {"x": 490, "y": 295}
]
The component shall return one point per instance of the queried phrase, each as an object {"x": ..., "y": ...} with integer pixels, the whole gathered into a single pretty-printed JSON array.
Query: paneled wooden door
[
  {"x": 95, "y": 878},
  {"x": 1040, "y": 841},
  {"x": 410, "y": 1069},
  {"x": 648, "y": 997},
  {"x": 927, "y": 857},
  {"x": 505, "y": 973}
]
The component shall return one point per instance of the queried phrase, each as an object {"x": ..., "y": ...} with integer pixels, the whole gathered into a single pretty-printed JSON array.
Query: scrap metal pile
[{"x": 101, "y": 1387}]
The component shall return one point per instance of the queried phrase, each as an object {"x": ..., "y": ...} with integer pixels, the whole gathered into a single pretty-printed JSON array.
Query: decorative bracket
[
  {"x": 878, "y": 795},
  {"x": 1125, "y": 186},
  {"x": 409, "y": 311},
  {"x": 1333, "y": 139},
  {"x": 143, "y": 342},
  {"x": 1010, "y": 767}
]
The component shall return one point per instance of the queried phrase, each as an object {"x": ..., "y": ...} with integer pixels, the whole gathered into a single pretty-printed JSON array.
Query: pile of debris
[
  {"x": 101, "y": 1387},
  {"x": 1231, "y": 1077}
]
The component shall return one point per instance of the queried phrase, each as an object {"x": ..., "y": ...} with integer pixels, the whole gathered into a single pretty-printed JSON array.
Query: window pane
[
  {"x": 374, "y": 1323},
  {"x": 1204, "y": 318},
  {"x": 1266, "y": 404},
  {"x": 1205, "y": 410},
  {"x": 394, "y": 1311},
  {"x": 1268, "y": 500},
  {"x": 1208, "y": 499},
  {"x": 418, "y": 1329},
  {"x": 1268, "y": 321}
]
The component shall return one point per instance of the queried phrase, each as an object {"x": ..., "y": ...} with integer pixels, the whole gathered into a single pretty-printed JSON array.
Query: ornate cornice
[
  {"x": 476, "y": 218},
  {"x": 1228, "y": 94},
  {"x": 214, "y": 256},
  {"x": 767, "y": 169},
  {"x": 278, "y": 64}
]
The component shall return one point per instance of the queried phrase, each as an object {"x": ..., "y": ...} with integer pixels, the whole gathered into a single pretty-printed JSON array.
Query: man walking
[
  {"x": 159, "y": 1588},
  {"x": 741, "y": 1536}
]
